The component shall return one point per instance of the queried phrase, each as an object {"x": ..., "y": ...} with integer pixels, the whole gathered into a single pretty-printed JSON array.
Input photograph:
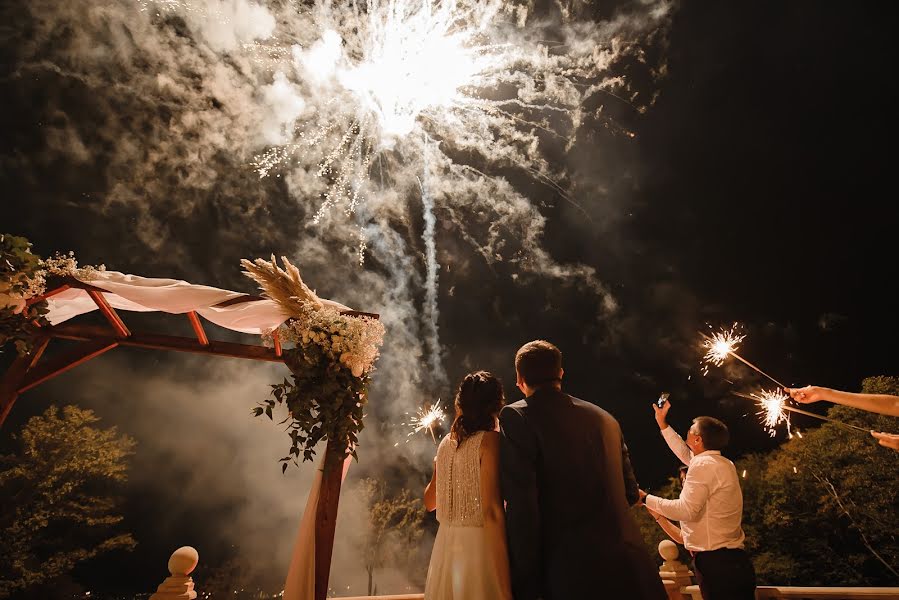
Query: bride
[{"x": 469, "y": 560}]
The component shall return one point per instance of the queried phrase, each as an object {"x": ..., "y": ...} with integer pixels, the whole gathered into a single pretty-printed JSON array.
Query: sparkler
[
  {"x": 723, "y": 344},
  {"x": 426, "y": 419},
  {"x": 720, "y": 345},
  {"x": 774, "y": 406}
]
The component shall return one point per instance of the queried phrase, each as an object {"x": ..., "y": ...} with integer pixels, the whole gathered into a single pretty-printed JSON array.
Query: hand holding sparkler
[{"x": 888, "y": 440}]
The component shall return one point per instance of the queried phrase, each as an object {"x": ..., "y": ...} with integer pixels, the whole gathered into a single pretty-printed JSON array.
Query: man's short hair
[
  {"x": 539, "y": 363},
  {"x": 713, "y": 432}
]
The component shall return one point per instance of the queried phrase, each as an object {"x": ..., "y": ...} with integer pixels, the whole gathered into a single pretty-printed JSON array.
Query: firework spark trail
[{"x": 432, "y": 312}]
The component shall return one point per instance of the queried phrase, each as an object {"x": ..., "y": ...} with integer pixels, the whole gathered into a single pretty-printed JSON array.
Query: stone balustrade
[
  {"x": 677, "y": 577},
  {"x": 679, "y": 584}
]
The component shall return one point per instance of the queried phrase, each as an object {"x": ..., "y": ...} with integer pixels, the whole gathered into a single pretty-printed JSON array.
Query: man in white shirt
[{"x": 710, "y": 509}]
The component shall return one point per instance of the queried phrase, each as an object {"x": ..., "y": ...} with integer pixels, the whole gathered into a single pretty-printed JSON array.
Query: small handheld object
[{"x": 663, "y": 398}]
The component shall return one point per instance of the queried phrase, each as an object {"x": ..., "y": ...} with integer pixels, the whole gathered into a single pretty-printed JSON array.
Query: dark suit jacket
[{"x": 567, "y": 482}]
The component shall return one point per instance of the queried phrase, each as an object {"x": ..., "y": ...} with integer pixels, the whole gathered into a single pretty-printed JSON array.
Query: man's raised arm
[{"x": 674, "y": 441}]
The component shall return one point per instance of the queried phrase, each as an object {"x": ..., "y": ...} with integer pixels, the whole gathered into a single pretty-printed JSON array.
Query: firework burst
[
  {"x": 371, "y": 111},
  {"x": 387, "y": 82}
]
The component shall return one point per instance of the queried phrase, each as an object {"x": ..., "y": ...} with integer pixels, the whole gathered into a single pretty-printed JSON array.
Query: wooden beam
[
  {"x": 50, "y": 294},
  {"x": 111, "y": 315},
  {"x": 58, "y": 365},
  {"x": 198, "y": 328},
  {"x": 164, "y": 342},
  {"x": 326, "y": 520},
  {"x": 12, "y": 379},
  {"x": 277, "y": 340}
]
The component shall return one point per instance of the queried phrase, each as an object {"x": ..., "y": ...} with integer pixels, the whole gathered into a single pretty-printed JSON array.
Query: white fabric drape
[
  {"x": 300, "y": 584},
  {"x": 145, "y": 294}
]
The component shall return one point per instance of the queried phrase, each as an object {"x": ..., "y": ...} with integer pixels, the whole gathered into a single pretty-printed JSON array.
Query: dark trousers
[{"x": 725, "y": 574}]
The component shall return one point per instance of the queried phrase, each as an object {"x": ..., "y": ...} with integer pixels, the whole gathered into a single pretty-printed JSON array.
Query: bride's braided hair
[{"x": 479, "y": 399}]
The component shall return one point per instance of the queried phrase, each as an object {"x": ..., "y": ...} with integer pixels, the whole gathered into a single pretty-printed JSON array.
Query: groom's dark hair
[
  {"x": 713, "y": 432},
  {"x": 539, "y": 363}
]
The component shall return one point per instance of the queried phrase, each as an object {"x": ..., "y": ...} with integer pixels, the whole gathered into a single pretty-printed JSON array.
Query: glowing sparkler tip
[
  {"x": 773, "y": 413},
  {"x": 721, "y": 344},
  {"x": 426, "y": 419}
]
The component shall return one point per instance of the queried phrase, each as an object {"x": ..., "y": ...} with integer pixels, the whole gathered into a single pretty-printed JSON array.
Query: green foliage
[
  {"x": 55, "y": 504},
  {"x": 821, "y": 509},
  {"x": 324, "y": 399},
  {"x": 395, "y": 527},
  {"x": 21, "y": 277}
]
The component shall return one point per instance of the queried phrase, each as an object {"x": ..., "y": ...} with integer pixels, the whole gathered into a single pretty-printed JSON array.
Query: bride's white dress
[{"x": 461, "y": 566}]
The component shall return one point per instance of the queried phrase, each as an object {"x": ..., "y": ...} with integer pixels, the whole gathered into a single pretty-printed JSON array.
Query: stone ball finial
[
  {"x": 668, "y": 550},
  {"x": 183, "y": 561}
]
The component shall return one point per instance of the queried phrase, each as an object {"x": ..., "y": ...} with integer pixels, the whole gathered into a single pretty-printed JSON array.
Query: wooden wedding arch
[{"x": 29, "y": 371}]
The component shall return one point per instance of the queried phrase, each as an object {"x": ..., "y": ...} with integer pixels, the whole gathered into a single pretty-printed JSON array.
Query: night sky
[{"x": 756, "y": 188}]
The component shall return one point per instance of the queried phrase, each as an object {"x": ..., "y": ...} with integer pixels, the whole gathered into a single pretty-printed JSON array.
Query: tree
[
  {"x": 56, "y": 507},
  {"x": 820, "y": 509},
  {"x": 395, "y": 527}
]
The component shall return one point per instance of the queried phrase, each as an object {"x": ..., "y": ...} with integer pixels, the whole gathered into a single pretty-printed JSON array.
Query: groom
[{"x": 567, "y": 483}]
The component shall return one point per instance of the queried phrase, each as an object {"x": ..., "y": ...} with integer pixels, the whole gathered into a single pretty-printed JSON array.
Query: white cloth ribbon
[
  {"x": 145, "y": 294},
  {"x": 300, "y": 584}
]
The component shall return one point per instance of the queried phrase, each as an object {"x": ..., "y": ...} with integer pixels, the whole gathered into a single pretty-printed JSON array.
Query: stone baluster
[
  {"x": 179, "y": 586},
  {"x": 673, "y": 572}
]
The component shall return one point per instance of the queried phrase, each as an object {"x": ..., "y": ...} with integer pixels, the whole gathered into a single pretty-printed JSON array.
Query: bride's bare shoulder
[{"x": 490, "y": 441}]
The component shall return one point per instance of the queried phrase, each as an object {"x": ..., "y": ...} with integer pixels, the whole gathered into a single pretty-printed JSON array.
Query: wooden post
[
  {"x": 12, "y": 379},
  {"x": 326, "y": 520}
]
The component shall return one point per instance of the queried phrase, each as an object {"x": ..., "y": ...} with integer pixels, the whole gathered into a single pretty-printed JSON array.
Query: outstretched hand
[
  {"x": 889, "y": 440},
  {"x": 807, "y": 394},
  {"x": 662, "y": 413}
]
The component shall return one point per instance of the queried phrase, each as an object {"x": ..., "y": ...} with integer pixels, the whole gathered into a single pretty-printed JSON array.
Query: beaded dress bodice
[{"x": 459, "y": 482}]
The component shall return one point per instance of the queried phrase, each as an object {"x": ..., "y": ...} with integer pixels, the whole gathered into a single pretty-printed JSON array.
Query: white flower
[{"x": 14, "y": 301}]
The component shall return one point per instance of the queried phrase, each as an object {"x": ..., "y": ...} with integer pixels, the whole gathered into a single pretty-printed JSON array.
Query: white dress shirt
[{"x": 710, "y": 507}]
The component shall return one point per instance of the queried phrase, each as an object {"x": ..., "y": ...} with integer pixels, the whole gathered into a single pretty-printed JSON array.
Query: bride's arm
[
  {"x": 431, "y": 490},
  {"x": 492, "y": 509}
]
